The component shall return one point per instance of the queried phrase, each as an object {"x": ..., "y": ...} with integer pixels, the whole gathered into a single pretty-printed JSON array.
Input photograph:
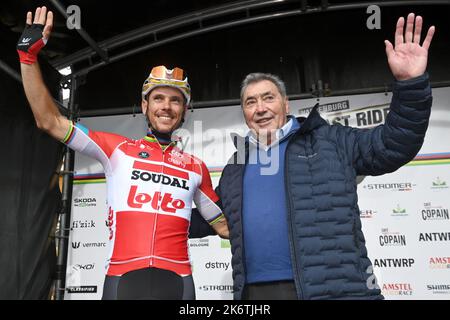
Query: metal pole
[
  {"x": 64, "y": 222},
  {"x": 204, "y": 15},
  {"x": 13, "y": 73},
  {"x": 102, "y": 53}
]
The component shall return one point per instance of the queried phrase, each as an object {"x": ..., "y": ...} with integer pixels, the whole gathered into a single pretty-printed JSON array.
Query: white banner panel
[{"x": 405, "y": 214}]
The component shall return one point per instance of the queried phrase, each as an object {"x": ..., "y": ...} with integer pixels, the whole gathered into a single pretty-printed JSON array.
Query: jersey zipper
[{"x": 160, "y": 193}]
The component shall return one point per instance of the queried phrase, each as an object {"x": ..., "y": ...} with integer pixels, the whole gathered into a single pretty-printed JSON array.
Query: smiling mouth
[
  {"x": 164, "y": 117},
  {"x": 263, "y": 121}
]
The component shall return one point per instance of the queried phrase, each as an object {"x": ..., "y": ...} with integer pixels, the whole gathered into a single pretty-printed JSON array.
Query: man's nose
[
  {"x": 260, "y": 106},
  {"x": 166, "y": 104}
]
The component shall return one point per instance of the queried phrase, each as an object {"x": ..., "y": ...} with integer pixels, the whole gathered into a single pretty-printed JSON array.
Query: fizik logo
[{"x": 26, "y": 40}]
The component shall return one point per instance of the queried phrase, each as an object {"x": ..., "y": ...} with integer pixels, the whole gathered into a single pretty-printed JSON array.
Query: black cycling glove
[{"x": 30, "y": 43}]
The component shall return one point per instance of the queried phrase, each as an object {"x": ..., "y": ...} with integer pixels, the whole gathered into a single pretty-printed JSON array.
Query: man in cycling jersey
[{"x": 151, "y": 183}]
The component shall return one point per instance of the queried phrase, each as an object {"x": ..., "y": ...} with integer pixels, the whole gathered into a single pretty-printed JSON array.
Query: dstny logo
[
  {"x": 217, "y": 265},
  {"x": 440, "y": 263},
  {"x": 397, "y": 289},
  {"x": 434, "y": 236},
  {"x": 394, "y": 263},
  {"x": 85, "y": 202},
  {"x": 391, "y": 238},
  {"x": 439, "y": 288},
  {"x": 213, "y": 287},
  {"x": 76, "y": 245},
  {"x": 396, "y": 186},
  {"x": 434, "y": 213},
  {"x": 82, "y": 289}
]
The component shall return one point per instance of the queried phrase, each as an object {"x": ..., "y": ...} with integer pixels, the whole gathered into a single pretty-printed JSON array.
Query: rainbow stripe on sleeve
[{"x": 69, "y": 134}]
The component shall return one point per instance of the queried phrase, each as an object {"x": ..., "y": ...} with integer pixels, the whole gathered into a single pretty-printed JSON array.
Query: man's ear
[
  {"x": 286, "y": 102},
  {"x": 144, "y": 106}
]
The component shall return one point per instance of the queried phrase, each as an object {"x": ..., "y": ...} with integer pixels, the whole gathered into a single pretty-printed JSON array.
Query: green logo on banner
[
  {"x": 438, "y": 183},
  {"x": 398, "y": 209},
  {"x": 225, "y": 243}
]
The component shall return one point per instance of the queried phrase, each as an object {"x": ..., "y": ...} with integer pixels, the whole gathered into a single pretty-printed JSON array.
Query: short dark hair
[{"x": 259, "y": 76}]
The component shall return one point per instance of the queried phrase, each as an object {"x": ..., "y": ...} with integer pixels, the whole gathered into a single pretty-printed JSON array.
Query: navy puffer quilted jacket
[{"x": 328, "y": 252}]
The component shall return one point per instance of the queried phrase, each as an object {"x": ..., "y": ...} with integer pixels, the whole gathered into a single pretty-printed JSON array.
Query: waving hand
[{"x": 408, "y": 59}]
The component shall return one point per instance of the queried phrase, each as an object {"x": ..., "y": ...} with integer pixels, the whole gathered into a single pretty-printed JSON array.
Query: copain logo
[{"x": 157, "y": 201}]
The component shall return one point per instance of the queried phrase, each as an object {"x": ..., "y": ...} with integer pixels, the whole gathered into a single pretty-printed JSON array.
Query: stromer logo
[
  {"x": 367, "y": 213},
  {"x": 216, "y": 287},
  {"x": 401, "y": 186}
]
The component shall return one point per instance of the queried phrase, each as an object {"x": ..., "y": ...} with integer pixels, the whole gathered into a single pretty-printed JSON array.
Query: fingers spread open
[
  {"x": 399, "y": 31},
  {"x": 43, "y": 15},
  {"x": 409, "y": 28},
  {"x": 29, "y": 20},
  {"x": 389, "y": 48},
  {"x": 429, "y": 37},
  {"x": 418, "y": 29},
  {"x": 37, "y": 14},
  {"x": 48, "y": 25}
]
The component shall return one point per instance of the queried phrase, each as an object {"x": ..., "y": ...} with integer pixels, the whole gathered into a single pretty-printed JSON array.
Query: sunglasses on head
[{"x": 162, "y": 72}]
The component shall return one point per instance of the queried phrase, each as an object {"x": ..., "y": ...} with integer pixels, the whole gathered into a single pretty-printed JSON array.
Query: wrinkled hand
[
  {"x": 409, "y": 59},
  {"x": 35, "y": 35}
]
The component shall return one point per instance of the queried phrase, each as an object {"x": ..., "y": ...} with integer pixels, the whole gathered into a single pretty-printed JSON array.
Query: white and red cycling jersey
[{"x": 149, "y": 198}]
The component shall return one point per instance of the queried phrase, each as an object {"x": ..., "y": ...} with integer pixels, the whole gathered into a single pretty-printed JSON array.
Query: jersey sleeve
[
  {"x": 94, "y": 144},
  {"x": 206, "y": 199}
]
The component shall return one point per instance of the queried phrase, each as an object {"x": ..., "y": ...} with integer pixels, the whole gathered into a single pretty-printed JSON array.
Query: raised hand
[
  {"x": 409, "y": 59},
  {"x": 35, "y": 35}
]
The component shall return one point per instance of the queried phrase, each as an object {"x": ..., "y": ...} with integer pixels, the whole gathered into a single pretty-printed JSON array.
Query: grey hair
[{"x": 257, "y": 77}]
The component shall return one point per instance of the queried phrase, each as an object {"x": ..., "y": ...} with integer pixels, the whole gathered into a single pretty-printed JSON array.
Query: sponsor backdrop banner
[{"x": 405, "y": 214}]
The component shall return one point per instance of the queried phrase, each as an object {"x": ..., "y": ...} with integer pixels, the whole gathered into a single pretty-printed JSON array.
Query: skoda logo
[{"x": 144, "y": 154}]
